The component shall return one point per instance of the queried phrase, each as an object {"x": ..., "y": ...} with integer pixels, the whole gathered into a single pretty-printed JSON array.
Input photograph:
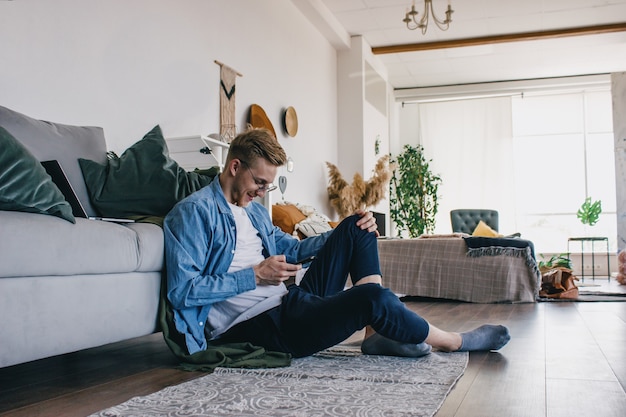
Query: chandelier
[{"x": 412, "y": 23}]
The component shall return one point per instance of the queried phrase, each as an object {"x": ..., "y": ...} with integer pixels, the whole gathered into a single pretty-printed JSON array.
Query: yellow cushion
[
  {"x": 482, "y": 229},
  {"x": 286, "y": 217}
]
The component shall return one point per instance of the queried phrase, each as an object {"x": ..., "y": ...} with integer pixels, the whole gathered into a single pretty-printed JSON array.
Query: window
[
  {"x": 563, "y": 146},
  {"x": 534, "y": 157}
]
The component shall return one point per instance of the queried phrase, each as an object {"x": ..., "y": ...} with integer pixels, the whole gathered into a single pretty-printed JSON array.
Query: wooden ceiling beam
[{"x": 488, "y": 40}]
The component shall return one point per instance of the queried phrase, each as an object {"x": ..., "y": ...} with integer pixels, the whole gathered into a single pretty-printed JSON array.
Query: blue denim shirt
[{"x": 200, "y": 236}]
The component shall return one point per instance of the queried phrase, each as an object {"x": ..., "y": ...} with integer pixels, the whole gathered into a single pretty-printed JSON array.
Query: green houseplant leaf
[
  {"x": 413, "y": 192},
  {"x": 589, "y": 212},
  {"x": 562, "y": 260}
]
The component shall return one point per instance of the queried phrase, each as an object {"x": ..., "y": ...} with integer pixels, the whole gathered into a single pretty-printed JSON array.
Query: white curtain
[{"x": 470, "y": 144}]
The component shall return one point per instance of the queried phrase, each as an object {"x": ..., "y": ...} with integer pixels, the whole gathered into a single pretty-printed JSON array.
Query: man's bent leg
[
  {"x": 348, "y": 251},
  {"x": 309, "y": 323},
  {"x": 374, "y": 344}
]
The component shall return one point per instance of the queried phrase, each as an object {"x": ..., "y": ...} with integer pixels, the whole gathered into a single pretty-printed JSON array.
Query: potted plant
[
  {"x": 413, "y": 192},
  {"x": 557, "y": 278}
]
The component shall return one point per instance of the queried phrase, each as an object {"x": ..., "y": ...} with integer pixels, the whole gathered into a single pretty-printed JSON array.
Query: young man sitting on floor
[{"x": 227, "y": 265}]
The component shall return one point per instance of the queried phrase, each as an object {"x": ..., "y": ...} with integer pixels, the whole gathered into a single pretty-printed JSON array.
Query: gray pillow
[
  {"x": 65, "y": 143},
  {"x": 24, "y": 183}
]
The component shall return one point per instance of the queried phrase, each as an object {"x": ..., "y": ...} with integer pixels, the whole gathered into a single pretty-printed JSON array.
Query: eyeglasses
[{"x": 263, "y": 185}]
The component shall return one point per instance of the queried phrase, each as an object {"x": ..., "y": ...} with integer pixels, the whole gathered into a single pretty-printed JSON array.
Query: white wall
[
  {"x": 363, "y": 113},
  {"x": 127, "y": 65},
  {"x": 618, "y": 87}
]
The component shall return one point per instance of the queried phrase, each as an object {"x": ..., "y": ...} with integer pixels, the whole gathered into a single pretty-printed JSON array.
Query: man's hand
[
  {"x": 274, "y": 270},
  {"x": 367, "y": 221}
]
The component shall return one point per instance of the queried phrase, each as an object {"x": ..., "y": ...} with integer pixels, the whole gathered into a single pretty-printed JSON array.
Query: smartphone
[{"x": 306, "y": 260}]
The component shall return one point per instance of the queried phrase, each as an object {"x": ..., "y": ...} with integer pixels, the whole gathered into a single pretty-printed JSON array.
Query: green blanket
[{"x": 229, "y": 355}]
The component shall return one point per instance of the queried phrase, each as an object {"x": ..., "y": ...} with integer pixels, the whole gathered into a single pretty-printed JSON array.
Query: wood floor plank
[
  {"x": 512, "y": 381},
  {"x": 454, "y": 400},
  {"x": 93, "y": 399},
  {"x": 64, "y": 374},
  {"x": 572, "y": 350},
  {"x": 577, "y": 398},
  {"x": 506, "y": 388}
]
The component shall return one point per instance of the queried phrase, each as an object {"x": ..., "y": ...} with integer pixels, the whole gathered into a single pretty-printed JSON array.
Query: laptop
[{"x": 54, "y": 169}]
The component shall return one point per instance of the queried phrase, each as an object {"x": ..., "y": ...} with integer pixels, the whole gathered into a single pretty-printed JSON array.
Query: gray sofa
[{"x": 68, "y": 286}]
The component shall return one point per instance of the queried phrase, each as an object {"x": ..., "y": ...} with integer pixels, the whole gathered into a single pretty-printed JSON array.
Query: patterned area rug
[{"x": 336, "y": 382}]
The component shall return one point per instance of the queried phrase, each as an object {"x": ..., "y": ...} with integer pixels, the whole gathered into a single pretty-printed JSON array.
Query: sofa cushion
[
  {"x": 45, "y": 245},
  {"x": 65, "y": 143},
  {"x": 482, "y": 229},
  {"x": 53, "y": 315},
  {"x": 145, "y": 180},
  {"x": 286, "y": 216},
  {"x": 24, "y": 183}
]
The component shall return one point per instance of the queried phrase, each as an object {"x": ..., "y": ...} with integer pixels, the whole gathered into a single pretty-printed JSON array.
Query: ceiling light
[{"x": 412, "y": 23}]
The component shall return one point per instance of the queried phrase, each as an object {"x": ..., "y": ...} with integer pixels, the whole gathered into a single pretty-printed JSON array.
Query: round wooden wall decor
[{"x": 290, "y": 120}]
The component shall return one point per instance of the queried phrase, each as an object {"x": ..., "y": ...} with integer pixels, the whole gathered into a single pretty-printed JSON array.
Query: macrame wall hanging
[{"x": 228, "y": 76}]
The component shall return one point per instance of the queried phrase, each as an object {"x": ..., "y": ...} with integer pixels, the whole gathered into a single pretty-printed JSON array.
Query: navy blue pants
[{"x": 318, "y": 313}]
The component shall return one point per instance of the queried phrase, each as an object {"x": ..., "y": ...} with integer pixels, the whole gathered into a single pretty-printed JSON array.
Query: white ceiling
[{"x": 380, "y": 23}]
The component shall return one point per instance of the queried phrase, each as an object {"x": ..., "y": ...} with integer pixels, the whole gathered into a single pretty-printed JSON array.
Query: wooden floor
[{"x": 564, "y": 359}]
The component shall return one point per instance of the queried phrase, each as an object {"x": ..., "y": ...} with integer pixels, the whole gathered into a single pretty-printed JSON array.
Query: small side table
[{"x": 593, "y": 240}]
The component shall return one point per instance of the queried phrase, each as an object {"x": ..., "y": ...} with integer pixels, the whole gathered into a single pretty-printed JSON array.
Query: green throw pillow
[
  {"x": 144, "y": 180},
  {"x": 24, "y": 183}
]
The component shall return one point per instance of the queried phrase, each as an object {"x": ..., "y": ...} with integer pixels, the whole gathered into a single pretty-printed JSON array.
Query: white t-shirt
[{"x": 244, "y": 306}]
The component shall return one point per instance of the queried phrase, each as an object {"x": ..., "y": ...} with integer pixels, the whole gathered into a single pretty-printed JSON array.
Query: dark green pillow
[
  {"x": 24, "y": 183},
  {"x": 144, "y": 180}
]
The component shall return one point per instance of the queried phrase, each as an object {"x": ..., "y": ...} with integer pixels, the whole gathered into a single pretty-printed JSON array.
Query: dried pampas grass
[{"x": 347, "y": 198}]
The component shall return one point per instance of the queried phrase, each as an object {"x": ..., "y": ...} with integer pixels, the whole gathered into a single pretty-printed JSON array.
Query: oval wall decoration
[{"x": 290, "y": 120}]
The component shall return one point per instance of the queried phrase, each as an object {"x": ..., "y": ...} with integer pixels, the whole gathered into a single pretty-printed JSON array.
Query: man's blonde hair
[{"x": 257, "y": 143}]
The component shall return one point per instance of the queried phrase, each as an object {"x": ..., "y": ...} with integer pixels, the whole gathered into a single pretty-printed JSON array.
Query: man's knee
[
  {"x": 349, "y": 221},
  {"x": 376, "y": 294},
  {"x": 349, "y": 224}
]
